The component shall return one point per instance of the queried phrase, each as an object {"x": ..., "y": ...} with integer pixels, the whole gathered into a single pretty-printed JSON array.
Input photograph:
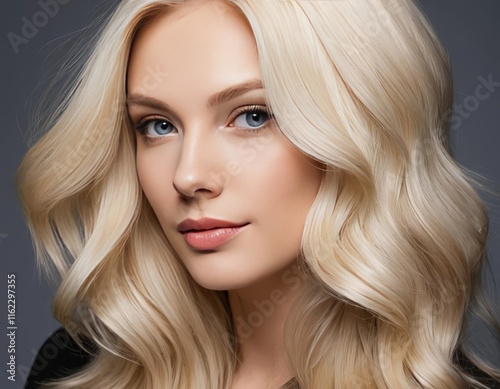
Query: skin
[{"x": 203, "y": 163}]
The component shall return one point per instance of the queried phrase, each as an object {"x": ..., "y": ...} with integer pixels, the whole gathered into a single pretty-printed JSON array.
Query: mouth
[{"x": 208, "y": 234}]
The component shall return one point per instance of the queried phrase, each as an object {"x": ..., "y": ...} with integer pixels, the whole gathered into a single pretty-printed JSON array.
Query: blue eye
[
  {"x": 159, "y": 127},
  {"x": 154, "y": 128},
  {"x": 254, "y": 118}
]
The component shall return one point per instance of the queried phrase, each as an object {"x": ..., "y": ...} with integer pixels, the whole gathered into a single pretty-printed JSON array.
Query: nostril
[{"x": 194, "y": 186}]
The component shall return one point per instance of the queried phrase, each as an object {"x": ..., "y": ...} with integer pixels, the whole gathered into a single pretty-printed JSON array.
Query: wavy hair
[{"x": 393, "y": 245}]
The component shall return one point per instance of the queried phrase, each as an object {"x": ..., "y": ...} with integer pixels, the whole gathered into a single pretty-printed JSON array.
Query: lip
[{"x": 208, "y": 233}]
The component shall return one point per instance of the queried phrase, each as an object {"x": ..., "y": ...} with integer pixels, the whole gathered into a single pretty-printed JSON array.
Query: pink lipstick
[{"x": 207, "y": 233}]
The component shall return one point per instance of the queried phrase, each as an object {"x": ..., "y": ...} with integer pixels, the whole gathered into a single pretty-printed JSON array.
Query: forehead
[{"x": 207, "y": 42}]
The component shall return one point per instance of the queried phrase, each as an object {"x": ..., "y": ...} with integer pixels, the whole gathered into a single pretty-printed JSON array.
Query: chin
[
  {"x": 221, "y": 281},
  {"x": 215, "y": 277}
]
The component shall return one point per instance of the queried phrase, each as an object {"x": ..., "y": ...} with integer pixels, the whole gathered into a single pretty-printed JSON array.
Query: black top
[{"x": 60, "y": 356}]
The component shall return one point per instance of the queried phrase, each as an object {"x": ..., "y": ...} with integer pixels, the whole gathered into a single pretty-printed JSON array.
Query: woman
[{"x": 266, "y": 199}]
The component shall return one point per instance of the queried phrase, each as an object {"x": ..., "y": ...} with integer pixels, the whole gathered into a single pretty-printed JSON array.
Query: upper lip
[{"x": 205, "y": 223}]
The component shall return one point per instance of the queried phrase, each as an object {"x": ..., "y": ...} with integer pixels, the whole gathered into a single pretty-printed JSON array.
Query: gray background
[{"x": 469, "y": 30}]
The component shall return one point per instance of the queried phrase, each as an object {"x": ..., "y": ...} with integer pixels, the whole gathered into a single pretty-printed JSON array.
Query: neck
[{"x": 259, "y": 313}]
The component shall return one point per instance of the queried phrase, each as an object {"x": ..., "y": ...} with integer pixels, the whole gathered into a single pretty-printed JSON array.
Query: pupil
[
  {"x": 256, "y": 118},
  {"x": 162, "y": 127}
]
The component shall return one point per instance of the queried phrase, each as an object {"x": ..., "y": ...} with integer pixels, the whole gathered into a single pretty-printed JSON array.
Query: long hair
[{"x": 393, "y": 245}]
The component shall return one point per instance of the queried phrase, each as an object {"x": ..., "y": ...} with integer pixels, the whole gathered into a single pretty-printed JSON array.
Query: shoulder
[{"x": 58, "y": 357}]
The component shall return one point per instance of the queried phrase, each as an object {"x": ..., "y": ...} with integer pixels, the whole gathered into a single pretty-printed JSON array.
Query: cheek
[
  {"x": 285, "y": 184},
  {"x": 288, "y": 183},
  {"x": 147, "y": 175},
  {"x": 155, "y": 178}
]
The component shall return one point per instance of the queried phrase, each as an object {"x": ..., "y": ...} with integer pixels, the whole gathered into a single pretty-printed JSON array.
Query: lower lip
[{"x": 211, "y": 239}]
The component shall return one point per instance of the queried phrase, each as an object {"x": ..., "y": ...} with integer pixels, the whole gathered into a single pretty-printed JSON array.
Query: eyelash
[
  {"x": 141, "y": 126},
  {"x": 254, "y": 108}
]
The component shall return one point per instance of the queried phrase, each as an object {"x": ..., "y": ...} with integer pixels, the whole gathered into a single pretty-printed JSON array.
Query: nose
[{"x": 195, "y": 173}]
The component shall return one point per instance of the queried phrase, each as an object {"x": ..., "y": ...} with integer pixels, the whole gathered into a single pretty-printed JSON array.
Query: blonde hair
[{"x": 393, "y": 245}]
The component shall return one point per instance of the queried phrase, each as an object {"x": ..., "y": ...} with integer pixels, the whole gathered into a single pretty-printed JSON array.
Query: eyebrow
[{"x": 214, "y": 100}]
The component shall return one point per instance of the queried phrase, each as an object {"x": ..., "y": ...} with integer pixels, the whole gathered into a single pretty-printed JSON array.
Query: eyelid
[
  {"x": 144, "y": 122},
  {"x": 141, "y": 125},
  {"x": 251, "y": 108}
]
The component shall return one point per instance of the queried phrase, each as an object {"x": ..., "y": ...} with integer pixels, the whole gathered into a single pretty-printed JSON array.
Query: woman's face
[{"x": 230, "y": 191}]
